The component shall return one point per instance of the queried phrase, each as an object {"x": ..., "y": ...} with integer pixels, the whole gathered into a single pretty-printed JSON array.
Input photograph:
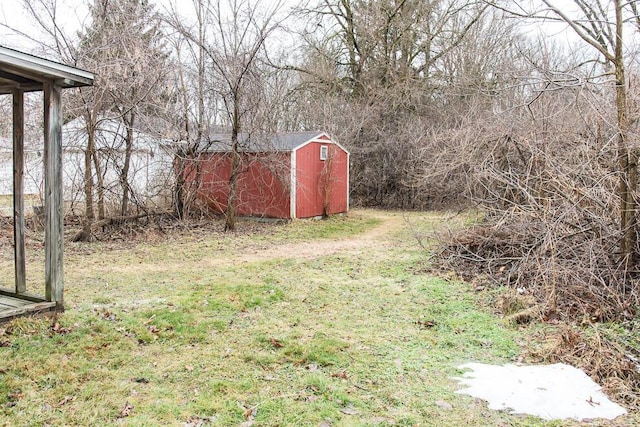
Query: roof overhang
[{"x": 22, "y": 71}]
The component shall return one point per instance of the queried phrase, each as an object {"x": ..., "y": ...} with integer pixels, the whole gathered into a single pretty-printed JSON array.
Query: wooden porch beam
[
  {"x": 53, "y": 237},
  {"x": 18, "y": 192}
]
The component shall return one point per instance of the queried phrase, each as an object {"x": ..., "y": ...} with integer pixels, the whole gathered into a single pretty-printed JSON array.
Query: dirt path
[
  {"x": 390, "y": 223},
  {"x": 376, "y": 238}
]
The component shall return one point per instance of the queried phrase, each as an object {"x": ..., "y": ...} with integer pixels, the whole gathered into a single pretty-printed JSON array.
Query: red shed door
[{"x": 321, "y": 179}]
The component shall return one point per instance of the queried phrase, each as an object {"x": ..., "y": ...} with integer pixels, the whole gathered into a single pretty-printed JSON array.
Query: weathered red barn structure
[{"x": 286, "y": 175}]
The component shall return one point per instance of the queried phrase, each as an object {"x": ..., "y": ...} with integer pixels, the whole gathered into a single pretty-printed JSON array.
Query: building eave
[{"x": 26, "y": 72}]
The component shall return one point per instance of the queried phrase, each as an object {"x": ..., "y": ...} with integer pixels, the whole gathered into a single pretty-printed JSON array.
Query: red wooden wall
[{"x": 262, "y": 187}]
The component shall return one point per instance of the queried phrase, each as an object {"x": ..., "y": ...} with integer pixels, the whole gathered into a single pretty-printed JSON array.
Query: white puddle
[{"x": 550, "y": 392}]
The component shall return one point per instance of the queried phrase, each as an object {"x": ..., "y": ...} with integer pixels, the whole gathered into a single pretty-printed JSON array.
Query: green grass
[
  {"x": 337, "y": 226},
  {"x": 356, "y": 338}
]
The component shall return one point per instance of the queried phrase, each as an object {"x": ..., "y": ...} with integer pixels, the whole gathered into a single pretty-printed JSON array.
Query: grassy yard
[{"x": 322, "y": 323}]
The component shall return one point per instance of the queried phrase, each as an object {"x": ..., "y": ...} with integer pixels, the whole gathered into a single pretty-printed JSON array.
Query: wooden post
[
  {"x": 53, "y": 237},
  {"x": 18, "y": 192}
]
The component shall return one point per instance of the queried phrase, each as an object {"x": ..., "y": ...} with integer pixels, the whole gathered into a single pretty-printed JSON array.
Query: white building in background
[
  {"x": 33, "y": 175},
  {"x": 151, "y": 172}
]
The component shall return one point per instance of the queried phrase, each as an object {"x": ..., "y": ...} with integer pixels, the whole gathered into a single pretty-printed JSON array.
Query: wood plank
[
  {"x": 53, "y": 193},
  {"x": 27, "y": 309},
  {"x": 27, "y": 296},
  {"x": 10, "y": 87},
  {"x": 18, "y": 192},
  {"x": 8, "y": 306},
  {"x": 13, "y": 302}
]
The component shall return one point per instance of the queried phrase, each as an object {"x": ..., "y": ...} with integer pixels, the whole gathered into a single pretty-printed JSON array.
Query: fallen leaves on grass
[
  {"x": 56, "y": 328},
  {"x": 65, "y": 400},
  {"x": 126, "y": 410},
  {"x": 107, "y": 315},
  {"x": 276, "y": 343},
  {"x": 425, "y": 324},
  {"x": 14, "y": 396},
  {"x": 342, "y": 374},
  {"x": 249, "y": 415},
  {"x": 310, "y": 398}
]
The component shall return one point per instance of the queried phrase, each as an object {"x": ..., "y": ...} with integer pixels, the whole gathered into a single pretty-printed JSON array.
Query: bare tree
[
  {"x": 378, "y": 44},
  {"x": 544, "y": 165},
  {"x": 123, "y": 46},
  {"x": 127, "y": 32},
  {"x": 601, "y": 25},
  {"x": 384, "y": 76},
  {"x": 196, "y": 104},
  {"x": 238, "y": 31},
  {"x": 63, "y": 47}
]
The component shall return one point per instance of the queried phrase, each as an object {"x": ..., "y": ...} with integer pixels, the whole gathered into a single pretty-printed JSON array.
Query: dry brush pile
[
  {"x": 551, "y": 228},
  {"x": 545, "y": 183}
]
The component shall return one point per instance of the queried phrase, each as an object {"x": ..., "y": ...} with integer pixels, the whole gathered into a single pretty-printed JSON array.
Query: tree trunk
[
  {"x": 230, "y": 214},
  {"x": 181, "y": 153},
  {"x": 627, "y": 157},
  {"x": 178, "y": 192},
  {"x": 89, "y": 152},
  {"x": 124, "y": 173},
  {"x": 99, "y": 184}
]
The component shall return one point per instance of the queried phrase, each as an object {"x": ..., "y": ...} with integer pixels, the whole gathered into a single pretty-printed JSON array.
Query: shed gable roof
[
  {"x": 287, "y": 142},
  {"x": 19, "y": 70}
]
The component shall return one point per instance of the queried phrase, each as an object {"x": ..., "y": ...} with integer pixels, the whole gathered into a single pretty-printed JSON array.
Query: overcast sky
[{"x": 71, "y": 14}]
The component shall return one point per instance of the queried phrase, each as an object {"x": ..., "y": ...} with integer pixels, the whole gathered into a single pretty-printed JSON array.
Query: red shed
[{"x": 287, "y": 175}]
